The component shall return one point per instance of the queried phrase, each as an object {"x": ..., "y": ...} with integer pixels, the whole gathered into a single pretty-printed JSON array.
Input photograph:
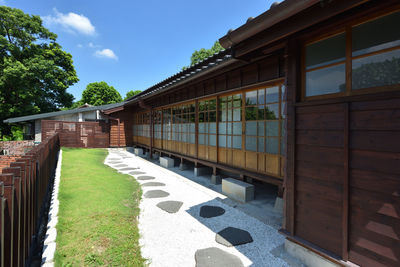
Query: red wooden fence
[
  {"x": 23, "y": 187},
  {"x": 78, "y": 134}
]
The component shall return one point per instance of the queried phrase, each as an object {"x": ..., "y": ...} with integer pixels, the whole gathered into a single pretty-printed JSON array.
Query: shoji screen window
[
  {"x": 230, "y": 125},
  {"x": 208, "y": 129},
  {"x": 157, "y": 128},
  {"x": 263, "y": 113},
  {"x": 167, "y": 121}
]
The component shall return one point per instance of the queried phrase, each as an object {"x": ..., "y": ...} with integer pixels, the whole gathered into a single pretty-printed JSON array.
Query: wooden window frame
[{"x": 347, "y": 29}]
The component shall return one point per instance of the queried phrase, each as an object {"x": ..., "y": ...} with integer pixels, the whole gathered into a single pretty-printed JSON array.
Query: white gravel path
[{"x": 172, "y": 239}]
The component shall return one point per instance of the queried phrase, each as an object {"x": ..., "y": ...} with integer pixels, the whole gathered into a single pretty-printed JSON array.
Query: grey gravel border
[{"x": 49, "y": 247}]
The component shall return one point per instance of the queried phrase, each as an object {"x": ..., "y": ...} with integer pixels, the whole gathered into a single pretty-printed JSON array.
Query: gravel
[{"x": 173, "y": 239}]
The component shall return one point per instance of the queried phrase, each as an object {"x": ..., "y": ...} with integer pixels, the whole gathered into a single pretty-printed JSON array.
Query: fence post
[
  {"x": 7, "y": 179},
  {"x": 16, "y": 172},
  {"x": 2, "y": 204}
]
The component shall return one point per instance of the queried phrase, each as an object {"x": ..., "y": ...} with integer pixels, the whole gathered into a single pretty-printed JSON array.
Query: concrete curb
[{"x": 49, "y": 247}]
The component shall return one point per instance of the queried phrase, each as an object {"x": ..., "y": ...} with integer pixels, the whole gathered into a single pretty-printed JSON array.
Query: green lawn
[{"x": 97, "y": 222}]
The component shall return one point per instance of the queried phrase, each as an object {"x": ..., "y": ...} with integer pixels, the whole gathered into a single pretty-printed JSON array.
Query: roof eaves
[{"x": 189, "y": 73}]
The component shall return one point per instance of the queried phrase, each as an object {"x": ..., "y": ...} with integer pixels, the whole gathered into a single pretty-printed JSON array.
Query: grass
[{"x": 98, "y": 211}]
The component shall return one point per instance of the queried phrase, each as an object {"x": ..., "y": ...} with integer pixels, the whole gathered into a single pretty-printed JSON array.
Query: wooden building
[{"x": 306, "y": 96}]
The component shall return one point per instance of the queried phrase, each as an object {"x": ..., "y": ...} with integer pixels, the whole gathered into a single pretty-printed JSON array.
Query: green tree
[
  {"x": 100, "y": 93},
  {"x": 200, "y": 55},
  {"x": 132, "y": 93},
  {"x": 34, "y": 70}
]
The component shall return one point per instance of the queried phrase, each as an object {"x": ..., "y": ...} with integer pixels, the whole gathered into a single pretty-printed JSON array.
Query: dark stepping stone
[
  {"x": 111, "y": 159},
  {"x": 143, "y": 178},
  {"x": 115, "y": 162},
  {"x": 121, "y": 165},
  {"x": 231, "y": 236},
  {"x": 153, "y": 184},
  {"x": 211, "y": 257},
  {"x": 170, "y": 206},
  {"x": 211, "y": 211},
  {"x": 128, "y": 169},
  {"x": 136, "y": 173},
  {"x": 156, "y": 194}
]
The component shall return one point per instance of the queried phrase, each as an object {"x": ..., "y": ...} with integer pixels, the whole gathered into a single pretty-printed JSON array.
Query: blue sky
[{"x": 132, "y": 45}]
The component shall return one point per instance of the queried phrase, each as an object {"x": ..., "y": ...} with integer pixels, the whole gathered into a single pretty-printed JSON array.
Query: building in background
[{"x": 33, "y": 123}]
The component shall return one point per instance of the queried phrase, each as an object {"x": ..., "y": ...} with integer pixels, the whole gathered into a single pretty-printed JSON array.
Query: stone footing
[
  {"x": 216, "y": 179},
  {"x": 184, "y": 166},
  {"x": 166, "y": 162},
  {"x": 238, "y": 190},
  {"x": 130, "y": 149},
  {"x": 155, "y": 156},
  {"x": 138, "y": 152},
  {"x": 278, "y": 207},
  {"x": 200, "y": 171}
]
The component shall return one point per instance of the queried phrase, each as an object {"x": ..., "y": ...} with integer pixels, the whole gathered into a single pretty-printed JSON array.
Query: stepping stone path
[
  {"x": 121, "y": 165},
  {"x": 231, "y": 236},
  {"x": 128, "y": 169},
  {"x": 136, "y": 173},
  {"x": 211, "y": 211},
  {"x": 170, "y": 206},
  {"x": 153, "y": 184},
  {"x": 212, "y": 257},
  {"x": 143, "y": 178},
  {"x": 156, "y": 194}
]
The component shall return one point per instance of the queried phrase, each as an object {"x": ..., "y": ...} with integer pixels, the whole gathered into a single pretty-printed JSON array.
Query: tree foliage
[
  {"x": 200, "y": 55},
  {"x": 131, "y": 93},
  {"x": 34, "y": 70},
  {"x": 100, "y": 93}
]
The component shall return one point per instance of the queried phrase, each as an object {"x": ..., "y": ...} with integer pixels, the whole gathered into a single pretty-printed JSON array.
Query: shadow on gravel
[{"x": 266, "y": 246}]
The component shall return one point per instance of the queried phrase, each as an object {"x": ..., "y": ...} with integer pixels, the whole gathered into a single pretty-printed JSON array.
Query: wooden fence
[
  {"x": 23, "y": 187},
  {"x": 78, "y": 134}
]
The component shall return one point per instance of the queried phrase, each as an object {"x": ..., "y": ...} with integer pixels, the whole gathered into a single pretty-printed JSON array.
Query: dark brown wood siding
[
  {"x": 125, "y": 130},
  {"x": 78, "y": 134},
  {"x": 319, "y": 175},
  {"x": 374, "y": 236},
  {"x": 350, "y": 148}
]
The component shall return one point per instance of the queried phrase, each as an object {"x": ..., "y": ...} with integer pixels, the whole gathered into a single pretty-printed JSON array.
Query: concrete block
[
  {"x": 238, "y": 190},
  {"x": 147, "y": 155},
  {"x": 278, "y": 207},
  {"x": 130, "y": 149},
  {"x": 139, "y": 152},
  {"x": 166, "y": 162},
  {"x": 184, "y": 166},
  {"x": 155, "y": 156},
  {"x": 306, "y": 256},
  {"x": 216, "y": 179},
  {"x": 200, "y": 171}
]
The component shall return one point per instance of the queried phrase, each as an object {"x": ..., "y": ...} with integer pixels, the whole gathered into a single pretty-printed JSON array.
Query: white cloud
[
  {"x": 106, "y": 53},
  {"x": 2, "y": 2},
  {"x": 72, "y": 22},
  {"x": 79, "y": 45},
  {"x": 92, "y": 45}
]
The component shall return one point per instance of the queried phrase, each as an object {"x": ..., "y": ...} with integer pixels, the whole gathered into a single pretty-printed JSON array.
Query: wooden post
[
  {"x": 345, "y": 200},
  {"x": 17, "y": 245},
  {"x": 8, "y": 197},
  {"x": 119, "y": 132},
  {"x": 151, "y": 132}
]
